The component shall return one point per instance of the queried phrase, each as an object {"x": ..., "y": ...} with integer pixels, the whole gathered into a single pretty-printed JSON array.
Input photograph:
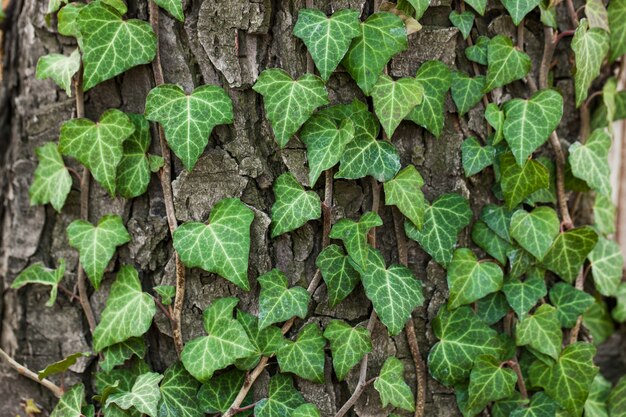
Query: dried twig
[{"x": 22, "y": 370}]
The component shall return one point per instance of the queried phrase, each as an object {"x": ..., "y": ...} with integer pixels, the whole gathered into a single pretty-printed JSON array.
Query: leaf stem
[
  {"x": 514, "y": 364},
  {"x": 22, "y": 370}
]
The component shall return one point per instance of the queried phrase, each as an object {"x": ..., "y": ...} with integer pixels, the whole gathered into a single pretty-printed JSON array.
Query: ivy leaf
[
  {"x": 476, "y": 157},
  {"x": 67, "y": 18},
  {"x": 607, "y": 264},
  {"x": 590, "y": 47},
  {"x": 98, "y": 146},
  {"x": 217, "y": 394},
  {"x": 596, "y": 406},
  {"x": 60, "y": 68},
  {"x": 617, "y": 398},
  {"x": 112, "y": 45},
  {"x": 617, "y": 23},
  {"x": 597, "y": 16},
  {"x": 293, "y": 206},
  {"x": 540, "y": 406},
  {"x": 436, "y": 79},
  {"x": 325, "y": 142},
  {"x": 569, "y": 250},
  {"x": 283, "y": 398},
  {"x": 354, "y": 235},
  {"x": 166, "y": 292},
  {"x": 133, "y": 171},
  {"x": 415, "y": 8},
  {"x": 604, "y": 214},
  {"x": 394, "y": 291},
  {"x": 339, "y": 275},
  {"x": 278, "y": 302},
  {"x": 348, "y": 346},
  {"x": 535, "y": 231},
  {"x": 463, "y": 337},
  {"x": 304, "y": 357},
  {"x": 478, "y": 5},
  {"x": 222, "y": 246},
  {"x": 174, "y": 7},
  {"x": 443, "y": 221},
  {"x": 226, "y": 341},
  {"x": 492, "y": 308},
  {"x": 37, "y": 273},
  {"x": 394, "y": 100},
  {"x": 495, "y": 117},
  {"x": 179, "y": 393},
  {"x": 569, "y": 302},
  {"x": 619, "y": 311},
  {"x": 144, "y": 396},
  {"x": 404, "y": 191},
  {"x": 466, "y": 91},
  {"x": 518, "y": 9},
  {"x": 590, "y": 162},
  {"x": 381, "y": 36},
  {"x": 524, "y": 295},
  {"x": 478, "y": 52},
  {"x": 61, "y": 366},
  {"x": 489, "y": 381},
  {"x": 597, "y": 320},
  {"x": 541, "y": 331},
  {"x": 71, "y": 403},
  {"x": 119, "y": 353},
  {"x": 128, "y": 312},
  {"x": 188, "y": 120},
  {"x": 306, "y": 410},
  {"x": 529, "y": 123},
  {"x": 470, "y": 280},
  {"x": 518, "y": 182},
  {"x": 505, "y": 63},
  {"x": 462, "y": 21},
  {"x": 490, "y": 242},
  {"x": 391, "y": 386},
  {"x": 264, "y": 341},
  {"x": 288, "y": 102},
  {"x": 327, "y": 38},
  {"x": 96, "y": 244}
]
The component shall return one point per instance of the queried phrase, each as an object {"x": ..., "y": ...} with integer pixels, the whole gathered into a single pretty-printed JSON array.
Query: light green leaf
[
  {"x": 327, "y": 38},
  {"x": 404, "y": 191},
  {"x": 71, "y": 403},
  {"x": 529, "y": 123},
  {"x": 354, "y": 235},
  {"x": 174, "y": 7},
  {"x": 518, "y": 182},
  {"x": 478, "y": 52},
  {"x": 569, "y": 302},
  {"x": 278, "y": 302},
  {"x": 98, "y": 146},
  {"x": 590, "y": 162},
  {"x": 569, "y": 250},
  {"x": 348, "y": 346},
  {"x": 66, "y": 18},
  {"x": 619, "y": 311},
  {"x": 288, "y": 102},
  {"x": 293, "y": 206},
  {"x": 306, "y": 410},
  {"x": 518, "y": 9},
  {"x": 179, "y": 394},
  {"x": 597, "y": 320},
  {"x": 218, "y": 393},
  {"x": 166, "y": 292},
  {"x": 61, "y": 366},
  {"x": 188, "y": 120},
  {"x": 607, "y": 264},
  {"x": 144, "y": 396},
  {"x": 325, "y": 142},
  {"x": 609, "y": 95},
  {"x": 394, "y": 100},
  {"x": 492, "y": 308},
  {"x": 381, "y": 36},
  {"x": 119, "y": 353},
  {"x": 462, "y": 21},
  {"x": 470, "y": 280},
  {"x": 304, "y": 357},
  {"x": 590, "y": 47},
  {"x": 391, "y": 386},
  {"x": 339, "y": 275},
  {"x": 478, "y": 5},
  {"x": 60, "y": 68},
  {"x": 264, "y": 341},
  {"x": 596, "y": 14},
  {"x": 505, "y": 63},
  {"x": 524, "y": 295},
  {"x": 495, "y": 117},
  {"x": 96, "y": 244},
  {"x": 394, "y": 291},
  {"x": 128, "y": 312},
  {"x": 38, "y": 274},
  {"x": 466, "y": 91},
  {"x": 489, "y": 381},
  {"x": 222, "y": 246},
  {"x": 476, "y": 157},
  {"x": 617, "y": 399},
  {"x": 133, "y": 171},
  {"x": 540, "y": 406},
  {"x": 596, "y": 406},
  {"x": 604, "y": 214},
  {"x": 53, "y": 5},
  {"x": 226, "y": 341},
  {"x": 490, "y": 242},
  {"x": 617, "y": 23},
  {"x": 112, "y": 45},
  {"x": 283, "y": 398},
  {"x": 443, "y": 221},
  {"x": 535, "y": 231},
  {"x": 541, "y": 331}
]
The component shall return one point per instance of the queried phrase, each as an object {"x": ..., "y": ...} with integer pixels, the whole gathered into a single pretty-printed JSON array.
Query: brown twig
[
  {"x": 514, "y": 364},
  {"x": 571, "y": 11},
  {"x": 22, "y": 370},
  {"x": 579, "y": 285}
]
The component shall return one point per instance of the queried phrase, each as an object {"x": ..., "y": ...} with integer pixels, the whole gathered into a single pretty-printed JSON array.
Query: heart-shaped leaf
[
  {"x": 569, "y": 302},
  {"x": 518, "y": 182},
  {"x": 607, "y": 264},
  {"x": 133, "y": 171},
  {"x": 490, "y": 242},
  {"x": 174, "y": 7},
  {"x": 518, "y": 9},
  {"x": 339, "y": 275},
  {"x": 348, "y": 346},
  {"x": 404, "y": 191},
  {"x": 478, "y": 5},
  {"x": 391, "y": 386},
  {"x": 60, "y": 68},
  {"x": 478, "y": 52},
  {"x": 293, "y": 206},
  {"x": 470, "y": 280},
  {"x": 524, "y": 295},
  {"x": 590, "y": 162},
  {"x": 283, "y": 398},
  {"x": 498, "y": 218},
  {"x": 71, "y": 403},
  {"x": 541, "y": 331},
  {"x": 304, "y": 357},
  {"x": 119, "y": 353},
  {"x": 394, "y": 100},
  {"x": 265, "y": 341},
  {"x": 569, "y": 250},
  {"x": 278, "y": 302},
  {"x": 143, "y": 397},
  {"x": 617, "y": 23},
  {"x": 492, "y": 308},
  {"x": 540, "y": 406},
  {"x": 52, "y": 181},
  {"x": 354, "y": 235},
  {"x": 179, "y": 393},
  {"x": 489, "y": 381},
  {"x": 535, "y": 231},
  {"x": 466, "y": 91},
  {"x": 218, "y": 393},
  {"x": 590, "y": 47},
  {"x": 476, "y": 157},
  {"x": 505, "y": 63},
  {"x": 462, "y": 21}
]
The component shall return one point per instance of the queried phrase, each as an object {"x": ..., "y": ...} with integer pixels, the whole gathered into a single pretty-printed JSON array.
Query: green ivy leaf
[
  {"x": 354, "y": 235},
  {"x": 304, "y": 357},
  {"x": 166, "y": 292},
  {"x": 492, "y": 308},
  {"x": 436, "y": 79},
  {"x": 61, "y": 366},
  {"x": 293, "y": 206},
  {"x": 617, "y": 23},
  {"x": 495, "y": 117},
  {"x": 133, "y": 171},
  {"x": 489, "y": 381},
  {"x": 394, "y": 291},
  {"x": 569, "y": 302},
  {"x": 607, "y": 264},
  {"x": 505, "y": 63},
  {"x": 569, "y": 250},
  {"x": 529, "y": 123},
  {"x": 518, "y": 9},
  {"x": 37, "y": 273},
  {"x": 53, "y": 5},
  {"x": 381, "y": 36},
  {"x": 188, "y": 120},
  {"x": 609, "y": 94},
  {"x": 462, "y": 21},
  {"x": 144, "y": 395},
  {"x": 478, "y": 52},
  {"x": 174, "y": 7},
  {"x": 394, "y": 100},
  {"x": 264, "y": 341},
  {"x": 119, "y": 353},
  {"x": 217, "y": 394},
  {"x": 348, "y": 346},
  {"x": 490, "y": 242},
  {"x": 470, "y": 280},
  {"x": 597, "y": 16},
  {"x": 466, "y": 91},
  {"x": 590, "y": 47},
  {"x": 325, "y": 142},
  {"x": 443, "y": 221},
  {"x": 415, "y": 8},
  {"x": 476, "y": 157},
  {"x": 518, "y": 182},
  {"x": 327, "y": 38},
  {"x": 520, "y": 262},
  {"x": 535, "y": 231},
  {"x": 541, "y": 331},
  {"x": 478, "y": 5},
  {"x": 288, "y": 102},
  {"x": 71, "y": 403},
  {"x": 98, "y": 146},
  {"x": 339, "y": 275},
  {"x": 112, "y": 45},
  {"x": 278, "y": 302},
  {"x": 67, "y": 18},
  {"x": 604, "y": 214},
  {"x": 617, "y": 398},
  {"x": 222, "y": 246},
  {"x": 179, "y": 393},
  {"x": 597, "y": 320},
  {"x": 96, "y": 244},
  {"x": 596, "y": 406},
  {"x": 619, "y": 311},
  {"x": 226, "y": 341},
  {"x": 524, "y": 295},
  {"x": 540, "y": 406},
  {"x": 283, "y": 398},
  {"x": 60, "y": 68},
  {"x": 404, "y": 191},
  {"x": 391, "y": 386},
  {"x": 590, "y": 162},
  {"x": 128, "y": 312},
  {"x": 306, "y": 410}
]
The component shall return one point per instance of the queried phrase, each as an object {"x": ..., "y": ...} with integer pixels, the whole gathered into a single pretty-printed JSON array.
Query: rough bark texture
[{"x": 225, "y": 42}]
